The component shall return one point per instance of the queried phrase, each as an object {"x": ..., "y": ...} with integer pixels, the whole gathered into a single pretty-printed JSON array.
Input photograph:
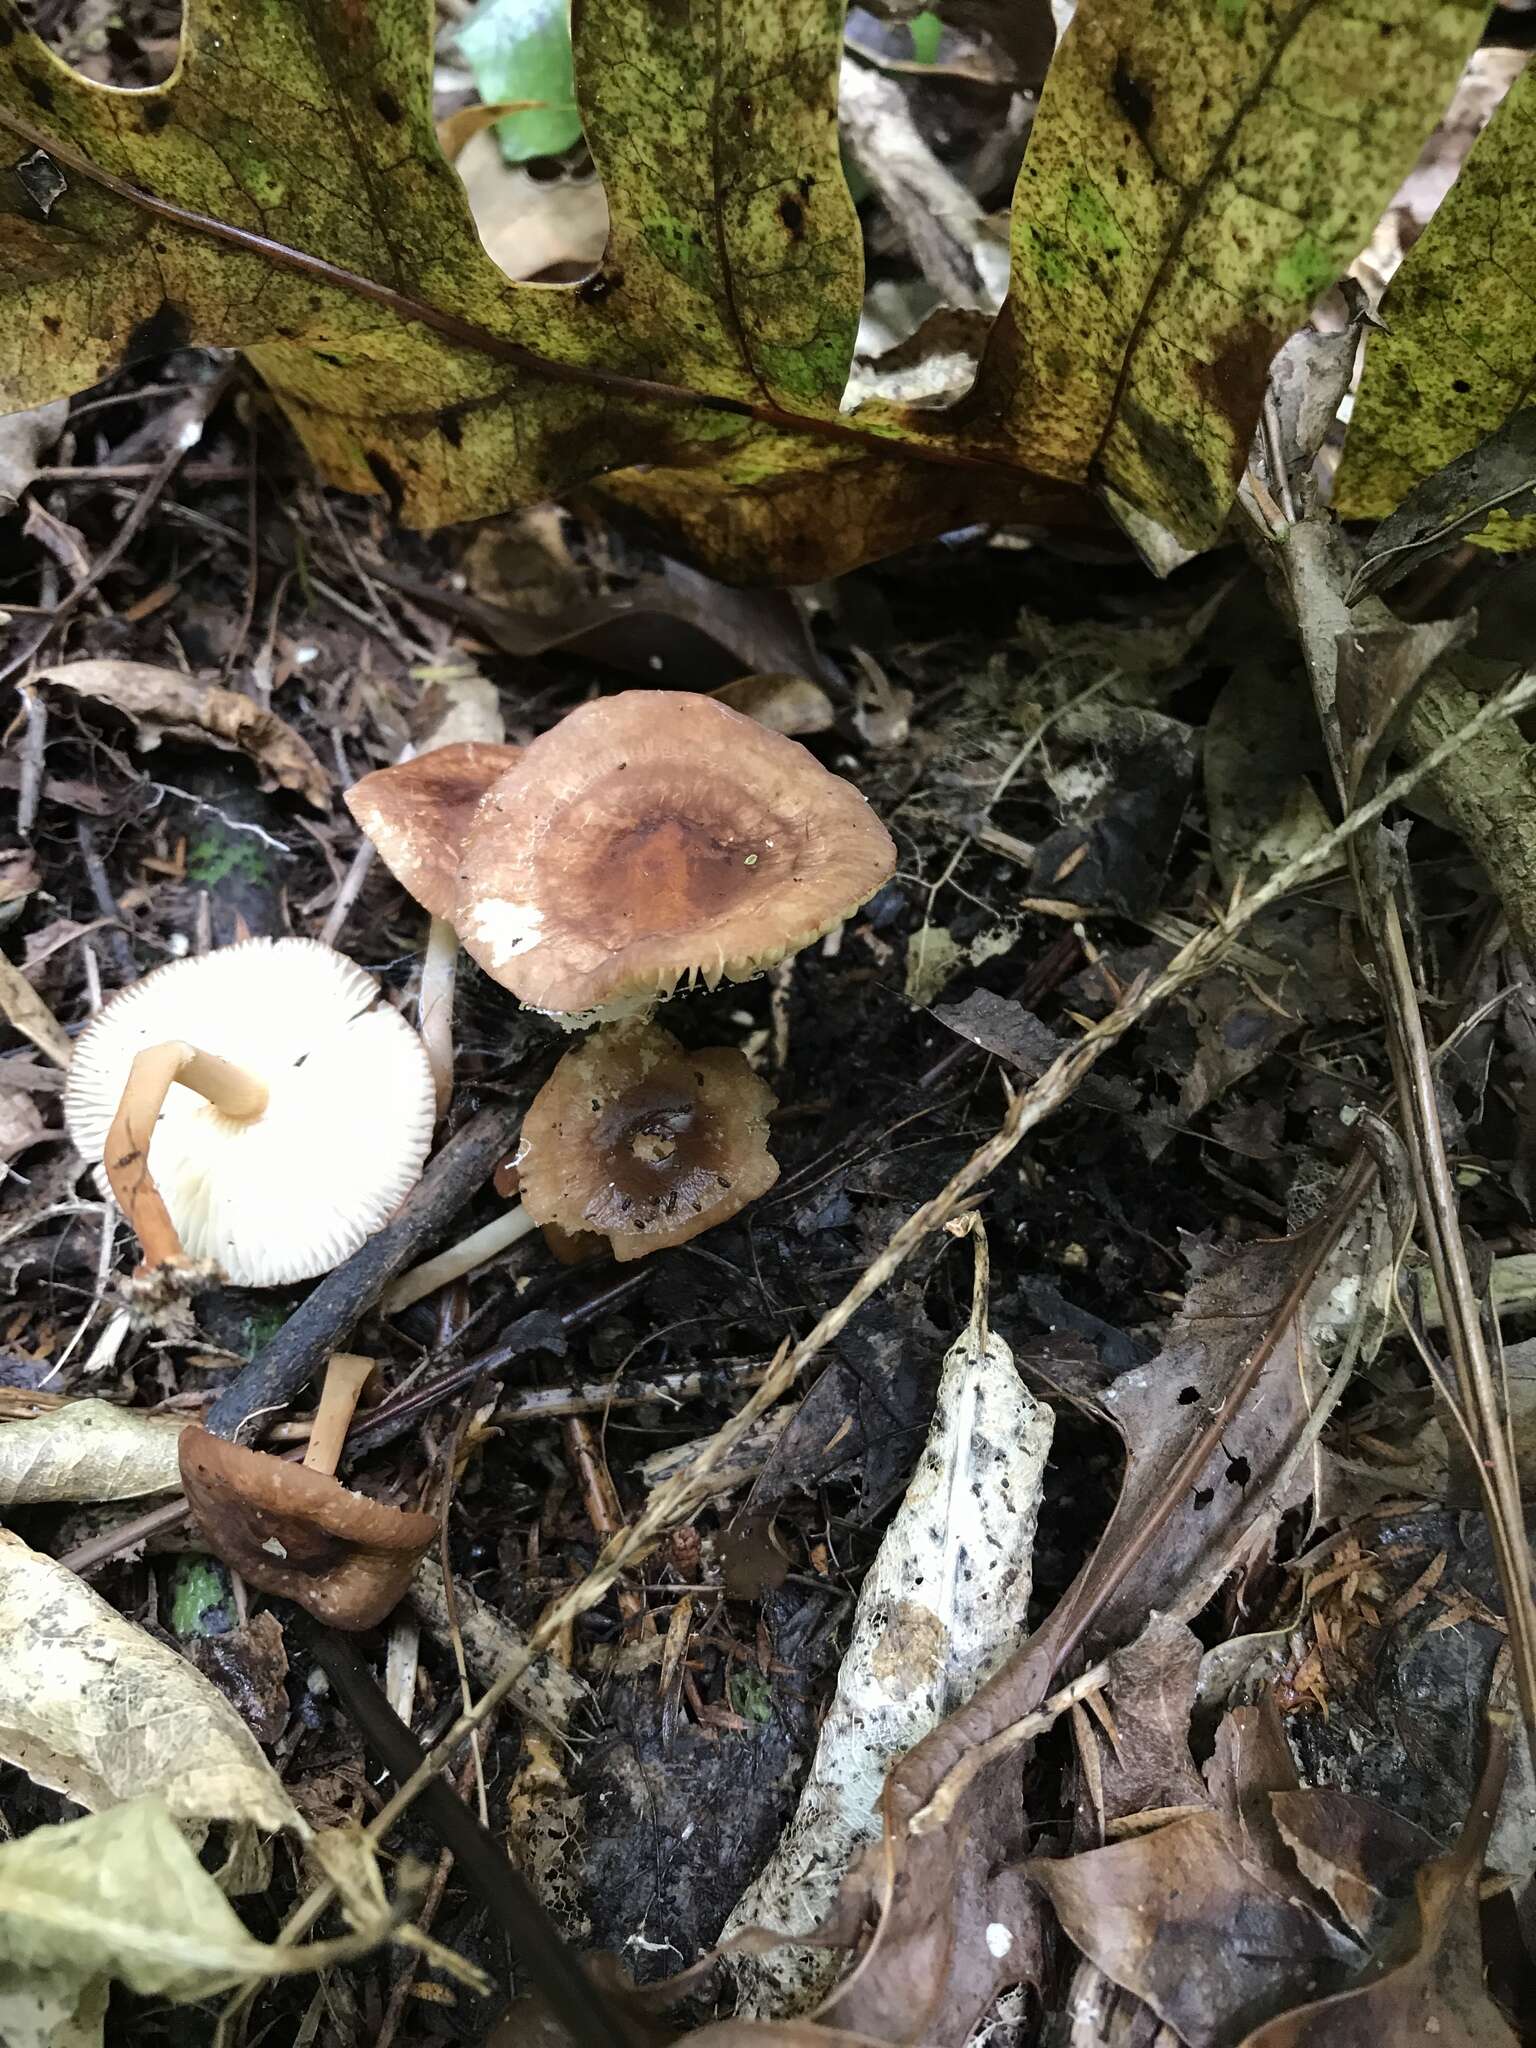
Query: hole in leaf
[
  {"x": 528, "y": 175},
  {"x": 1204, "y": 1495},
  {"x": 1239, "y": 1471},
  {"x": 131, "y": 47},
  {"x": 1187, "y": 1395},
  {"x": 545, "y": 220}
]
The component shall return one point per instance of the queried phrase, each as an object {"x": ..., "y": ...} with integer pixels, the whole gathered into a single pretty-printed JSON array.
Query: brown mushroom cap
[
  {"x": 291, "y": 1530},
  {"x": 655, "y": 835},
  {"x": 417, "y": 812},
  {"x": 644, "y": 1143}
]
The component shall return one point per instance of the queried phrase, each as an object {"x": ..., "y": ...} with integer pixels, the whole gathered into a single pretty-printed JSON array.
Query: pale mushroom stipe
[{"x": 236, "y": 1101}]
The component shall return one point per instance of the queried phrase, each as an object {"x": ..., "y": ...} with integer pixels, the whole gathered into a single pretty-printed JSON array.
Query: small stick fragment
[{"x": 332, "y": 1311}]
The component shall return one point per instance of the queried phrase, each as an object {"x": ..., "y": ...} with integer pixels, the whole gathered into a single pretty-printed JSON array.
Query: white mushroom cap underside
[{"x": 347, "y": 1124}]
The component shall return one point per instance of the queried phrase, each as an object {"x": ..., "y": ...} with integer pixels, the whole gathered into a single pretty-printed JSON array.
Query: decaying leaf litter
[{"x": 1057, "y": 1548}]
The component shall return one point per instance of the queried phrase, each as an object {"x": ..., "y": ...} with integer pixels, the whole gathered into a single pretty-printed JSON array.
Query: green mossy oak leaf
[
  {"x": 1197, "y": 173},
  {"x": 770, "y": 509},
  {"x": 1459, "y": 356},
  {"x": 283, "y": 192}
]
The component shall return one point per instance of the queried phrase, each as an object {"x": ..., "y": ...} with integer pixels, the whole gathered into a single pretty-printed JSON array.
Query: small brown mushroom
[
  {"x": 632, "y": 1140},
  {"x": 656, "y": 836},
  {"x": 644, "y": 1143},
  {"x": 417, "y": 813},
  {"x": 295, "y": 1529}
]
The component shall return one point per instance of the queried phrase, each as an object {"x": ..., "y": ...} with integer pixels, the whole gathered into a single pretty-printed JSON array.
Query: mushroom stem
[
  {"x": 434, "y": 1006},
  {"x": 125, "y": 1156},
  {"x": 459, "y": 1258},
  {"x": 346, "y": 1375}
]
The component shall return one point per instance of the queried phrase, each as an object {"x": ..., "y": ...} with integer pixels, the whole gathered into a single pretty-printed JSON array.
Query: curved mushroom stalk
[
  {"x": 295, "y": 1529},
  {"x": 508, "y": 1229},
  {"x": 155, "y": 1071}
]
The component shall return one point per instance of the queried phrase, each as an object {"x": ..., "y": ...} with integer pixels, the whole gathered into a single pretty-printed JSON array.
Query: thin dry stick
[
  {"x": 677, "y": 1498},
  {"x": 602, "y": 1500},
  {"x": 1475, "y": 1380}
]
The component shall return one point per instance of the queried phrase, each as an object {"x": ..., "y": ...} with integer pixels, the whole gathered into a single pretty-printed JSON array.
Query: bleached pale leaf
[
  {"x": 122, "y": 1896},
  {"x": 88, "y": 1450},
  {"x": 942, "y": 1606},
  {"x": 95, "y": 1708},
  {"x": 25, "y": 438}
]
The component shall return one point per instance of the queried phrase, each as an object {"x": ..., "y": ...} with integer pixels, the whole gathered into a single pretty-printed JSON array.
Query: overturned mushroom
[
  {"x": 652, "y": 837},
  {"x": 632, "y": 1139},
  {"x": 295, "y": 1529},
  {"x": 259, "y": 1108}
]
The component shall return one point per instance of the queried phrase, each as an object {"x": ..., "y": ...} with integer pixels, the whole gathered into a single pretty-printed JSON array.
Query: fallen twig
[{"x": 329, "y": 1315}]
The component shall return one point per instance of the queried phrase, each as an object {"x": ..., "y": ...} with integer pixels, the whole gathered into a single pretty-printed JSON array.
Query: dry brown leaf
[
  {"x": 88, "y": 1450},
  {"x": 18, "y": 874},
  {"x": 96, "y": 1709},
  {"x": 25, "y": 1008},
  {"x": 1431, "y": 1989},
  {"x": 162, "y": 701},
  {"x": 1151, "y": 1686},
  {"x": 1354, "y": 1850},
  {"x": 1180, "y": 1918},
  {"x": 21, "y": 1123},
  {"x": 784, "y": 703}
]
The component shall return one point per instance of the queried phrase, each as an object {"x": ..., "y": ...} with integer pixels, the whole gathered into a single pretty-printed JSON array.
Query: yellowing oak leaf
[
  {"x": 1196, "y": 174},
  {"x": 1455, "y": 360},
  {"x": 284, "y": 192}
]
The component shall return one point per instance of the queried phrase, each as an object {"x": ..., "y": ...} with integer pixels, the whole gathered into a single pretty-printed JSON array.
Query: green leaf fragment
[
  {"x": 521, "y": 50},
  {"x": 927, "y": 32},
  {"x": 199, "y": 1589}
]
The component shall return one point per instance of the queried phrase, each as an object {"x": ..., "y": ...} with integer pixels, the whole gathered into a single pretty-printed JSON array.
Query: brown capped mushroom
[
  {"x": 632, "y": 1140},
  {"x": 415, "y": 815},
  {"x": 295, "y": 1529},
  {"x": 656, "y": 836},
  {"x": 417, "y": 812},
  {"x": 644, "y": 1143}
]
